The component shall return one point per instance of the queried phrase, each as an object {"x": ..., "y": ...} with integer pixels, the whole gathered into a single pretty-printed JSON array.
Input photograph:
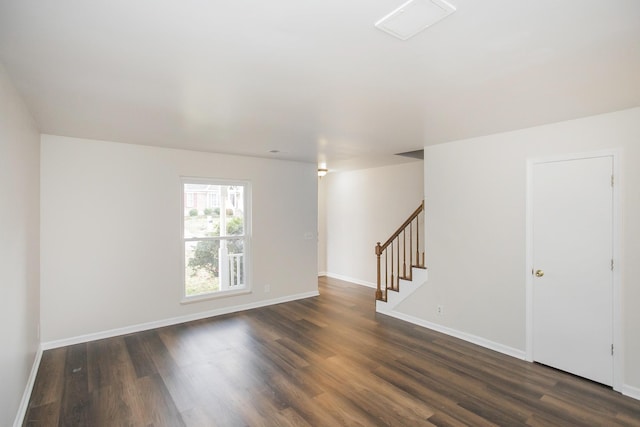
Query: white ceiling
[{"x": 314, "y": 79}]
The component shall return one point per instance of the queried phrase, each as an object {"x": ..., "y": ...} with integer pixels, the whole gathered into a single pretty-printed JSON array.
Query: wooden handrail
[
  {"x": 382, "y": 248},
  {"x": 400, "y": 229}
]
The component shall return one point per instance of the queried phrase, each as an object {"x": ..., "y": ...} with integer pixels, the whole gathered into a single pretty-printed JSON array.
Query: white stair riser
[{"x": 407, "y": 287}]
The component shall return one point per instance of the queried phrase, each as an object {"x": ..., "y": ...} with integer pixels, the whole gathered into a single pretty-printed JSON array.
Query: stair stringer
[{"x": 406, "y": 288}]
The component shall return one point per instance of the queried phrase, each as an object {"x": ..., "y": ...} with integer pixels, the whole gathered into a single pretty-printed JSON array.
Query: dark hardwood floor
[{"x": 324, "y": 361}]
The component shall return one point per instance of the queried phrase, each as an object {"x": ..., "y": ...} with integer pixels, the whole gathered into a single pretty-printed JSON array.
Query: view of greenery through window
[{"x": 214, "y": 236}]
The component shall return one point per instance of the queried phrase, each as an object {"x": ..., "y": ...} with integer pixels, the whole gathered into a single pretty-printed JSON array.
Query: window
[
  {"x": 213, "y": 199},
  {"x": 189, "y": 202},
  {"x": 216, "y": 239}
]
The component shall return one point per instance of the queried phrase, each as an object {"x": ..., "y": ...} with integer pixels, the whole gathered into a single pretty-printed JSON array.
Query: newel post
[{"x": 378, "y": 290}]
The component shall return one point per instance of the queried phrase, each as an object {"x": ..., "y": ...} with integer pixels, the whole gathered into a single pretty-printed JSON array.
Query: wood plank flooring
[{"x": 324, "y": 361}]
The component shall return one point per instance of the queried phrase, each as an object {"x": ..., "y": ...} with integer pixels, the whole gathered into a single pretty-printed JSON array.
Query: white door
[{"x": 572, "y": 266}]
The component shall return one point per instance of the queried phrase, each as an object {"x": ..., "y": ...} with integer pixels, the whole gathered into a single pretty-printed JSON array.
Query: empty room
[{"x": 249, "y": 213}]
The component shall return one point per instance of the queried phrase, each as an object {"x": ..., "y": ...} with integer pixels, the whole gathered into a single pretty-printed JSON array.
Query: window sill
[{"x": 214, "y": 295}]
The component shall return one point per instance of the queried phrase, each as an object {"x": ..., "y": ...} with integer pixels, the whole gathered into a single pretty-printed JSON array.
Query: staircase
[
  {"x": 400, "y": 263},
  {"x": 405, "y": 288}
]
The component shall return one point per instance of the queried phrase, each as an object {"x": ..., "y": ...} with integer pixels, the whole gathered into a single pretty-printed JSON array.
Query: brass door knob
[{"x": 539, "y": 273}]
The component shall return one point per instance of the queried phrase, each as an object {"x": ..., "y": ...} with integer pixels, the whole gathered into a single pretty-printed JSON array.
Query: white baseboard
[
  {"x": 172, "y": 321},
  {"x": 26, "y": 396},
  {"x": 482, "y": 342},
  {"x": 351, "y": 279},
  {"x": 322, "y": 273},
  {"x": 630, "y": 391}
]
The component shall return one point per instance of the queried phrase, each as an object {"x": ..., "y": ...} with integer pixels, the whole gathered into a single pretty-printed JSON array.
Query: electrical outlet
[
  {"x": 267, "y": 288},
  {"x": 439, "y": 310}
]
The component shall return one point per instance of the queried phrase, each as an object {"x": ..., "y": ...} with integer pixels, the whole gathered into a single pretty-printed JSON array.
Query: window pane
[
  {"x": 213, "y": 210},
  {"x": 201, "y": 217},
  {"x": 201, "y": 267},
  {"x": 233, "y": 200}
]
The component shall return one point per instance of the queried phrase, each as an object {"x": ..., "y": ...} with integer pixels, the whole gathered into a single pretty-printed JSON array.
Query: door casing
[{"x": 617, "y": 300}]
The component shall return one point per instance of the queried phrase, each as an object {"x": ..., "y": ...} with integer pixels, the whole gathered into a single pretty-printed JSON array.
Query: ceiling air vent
[
  {"x": 413, "y": 17},
  {"x": 416, "y": 154}
]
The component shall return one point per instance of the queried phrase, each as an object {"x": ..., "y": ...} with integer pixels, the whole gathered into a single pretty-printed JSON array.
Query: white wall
[
  {"x": 475, "y": 227},
  {"x": 19, "y": 253},
  {"x": 363, "y": 207},
  {"x": 111, "y": 225}
]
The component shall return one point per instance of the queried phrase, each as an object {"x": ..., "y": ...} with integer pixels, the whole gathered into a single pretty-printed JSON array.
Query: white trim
[
  {"x": 474, "y": 339},
  {"x": 322, "y": 273},
  {"x": 351, "y": 279},
  {"x": 215, "y": 295},
  {"x": 173, "y": 321},
  {"x": 529, "y": 263},
  {"x": 630, "y": 391},
  {"x": 618, "y": 340},
  {"x": 26, "y": 396}
]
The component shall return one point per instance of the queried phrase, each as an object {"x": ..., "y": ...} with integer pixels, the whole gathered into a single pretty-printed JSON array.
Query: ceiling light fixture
[{"x": 413, "y": 17}]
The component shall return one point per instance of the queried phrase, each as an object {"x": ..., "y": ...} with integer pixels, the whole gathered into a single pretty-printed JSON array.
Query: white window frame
[{"x": 246, "y": 289}]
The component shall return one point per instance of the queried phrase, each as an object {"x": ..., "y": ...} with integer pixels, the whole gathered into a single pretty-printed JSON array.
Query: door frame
[{"x": 618, "y": 343}]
